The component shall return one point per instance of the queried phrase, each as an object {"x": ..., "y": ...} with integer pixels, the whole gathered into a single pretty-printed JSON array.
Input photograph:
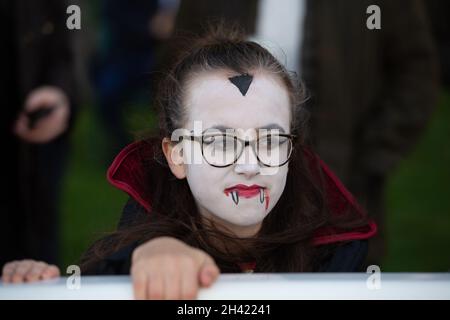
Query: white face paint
[{"x": 212, "y": 99}]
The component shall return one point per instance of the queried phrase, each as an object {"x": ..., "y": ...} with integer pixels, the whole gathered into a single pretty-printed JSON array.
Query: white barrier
[{"x": 254, "y": 286}]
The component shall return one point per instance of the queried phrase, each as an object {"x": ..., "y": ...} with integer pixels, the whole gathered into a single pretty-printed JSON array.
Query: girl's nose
[
  {"x": 248, "y": 170},
  {"x": 247, "y": 164}
]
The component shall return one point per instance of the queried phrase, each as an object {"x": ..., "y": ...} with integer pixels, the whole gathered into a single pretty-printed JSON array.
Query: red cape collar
[{"x": 128, "y": 174}]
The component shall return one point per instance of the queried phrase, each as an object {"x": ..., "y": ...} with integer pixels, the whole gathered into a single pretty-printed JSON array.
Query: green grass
[
  {"x": 90, "y": 206},
  {"x": 418, "y": 202},
  {"x": 418, "y": 195}
]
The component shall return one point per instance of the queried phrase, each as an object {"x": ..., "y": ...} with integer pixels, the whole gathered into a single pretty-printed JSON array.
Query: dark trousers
[{"x": 29, "y": 203}]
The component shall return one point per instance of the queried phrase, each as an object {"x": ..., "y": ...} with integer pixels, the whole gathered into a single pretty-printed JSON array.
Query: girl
[{"x": 229, "y": 186}]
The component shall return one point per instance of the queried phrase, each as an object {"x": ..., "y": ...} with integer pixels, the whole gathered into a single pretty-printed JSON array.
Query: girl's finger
[
  {"x": 208, "y": 272},
  {"x": 189, "y": 282},
  {"x": 21, "y": 270},
  {"x": 155, "y": 286},
  {"x": 140, "y": 283},
  {"x": 8, "y": 270},
  {"x": 35, "y": 272},
  {"x": 50, "y": 271},
  {"x": 172, "y": 283}
]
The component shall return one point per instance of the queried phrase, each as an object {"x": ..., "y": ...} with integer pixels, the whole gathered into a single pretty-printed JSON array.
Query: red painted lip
[{"x": 245, "y": 191}]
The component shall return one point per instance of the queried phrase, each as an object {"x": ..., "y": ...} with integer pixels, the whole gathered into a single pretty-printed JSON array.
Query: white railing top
[{"x": 254, "y": 286}]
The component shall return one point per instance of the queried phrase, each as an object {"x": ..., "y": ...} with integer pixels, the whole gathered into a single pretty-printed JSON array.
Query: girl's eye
[
  {"x": 220, "y": 142},
  {"x": 224, "y": 143},
  {"x": 269, "y": 140},
  {"x": 272, "y": 141},
  {"x": 209, "y": 139}
]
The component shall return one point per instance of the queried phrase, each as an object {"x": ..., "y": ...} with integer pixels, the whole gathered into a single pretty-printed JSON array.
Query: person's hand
[
  {"x": 28, "y": 271},
  {"x": 166, "y": 268},
  {"x": 50, "y": 126},
  {"x": 162, "y": 24}
]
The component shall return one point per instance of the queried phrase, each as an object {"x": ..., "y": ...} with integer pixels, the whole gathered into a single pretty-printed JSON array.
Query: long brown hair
[{"x": 284, "y": 242}]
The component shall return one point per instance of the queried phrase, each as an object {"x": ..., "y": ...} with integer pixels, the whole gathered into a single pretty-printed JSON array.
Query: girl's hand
[
  {"x": 28, "y": 271},
  {"x": 166, "y": 268}
]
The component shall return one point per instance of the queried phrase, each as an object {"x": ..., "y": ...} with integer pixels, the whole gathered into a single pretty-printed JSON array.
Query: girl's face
[{"x": 242, "y": 194}]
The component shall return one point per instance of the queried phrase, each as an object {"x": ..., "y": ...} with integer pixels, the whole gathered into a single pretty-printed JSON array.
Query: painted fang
[
  {"x": 266, "y": 195},
  {"x": 248, "y": 192},
  {"x": 261, "y": 195},
  {"x": 235, "y": 196}
]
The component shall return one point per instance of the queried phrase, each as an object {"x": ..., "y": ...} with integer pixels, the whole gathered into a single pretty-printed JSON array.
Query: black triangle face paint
[{"x": 242, "y": 82}]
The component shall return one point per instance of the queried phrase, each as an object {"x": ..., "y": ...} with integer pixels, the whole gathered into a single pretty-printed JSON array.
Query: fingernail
[{"x": 209, "y": 276}]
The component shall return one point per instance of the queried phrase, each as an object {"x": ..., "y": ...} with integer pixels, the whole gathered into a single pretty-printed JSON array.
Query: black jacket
[{"x": 348, "y": 257}]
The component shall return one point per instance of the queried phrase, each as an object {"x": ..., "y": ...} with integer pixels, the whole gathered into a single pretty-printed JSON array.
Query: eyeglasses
[{"x": 223, "y": 149}]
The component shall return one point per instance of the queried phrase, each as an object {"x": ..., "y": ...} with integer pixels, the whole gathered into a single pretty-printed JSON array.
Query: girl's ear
[{"x": 174, "y": 157}]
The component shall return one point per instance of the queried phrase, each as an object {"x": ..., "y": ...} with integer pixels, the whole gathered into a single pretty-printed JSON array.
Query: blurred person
[
  {"x": 194, "y": 15},
  {"x": 373, "y": 93},
  {"x": 131, "y": 31},
  {"x": 438, "y": 12},
  {"x": 38, "y": 108}
]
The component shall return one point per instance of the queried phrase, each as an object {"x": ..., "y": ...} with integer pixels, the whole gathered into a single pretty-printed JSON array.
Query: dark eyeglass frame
[{"x": 252, "y": 144}]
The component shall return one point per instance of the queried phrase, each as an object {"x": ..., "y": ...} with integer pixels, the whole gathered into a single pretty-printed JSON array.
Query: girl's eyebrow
[
  {"x": 273, "y": 126},
  {"x": 220, "y": 128},
  {"x": 270, "y": 126}
]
